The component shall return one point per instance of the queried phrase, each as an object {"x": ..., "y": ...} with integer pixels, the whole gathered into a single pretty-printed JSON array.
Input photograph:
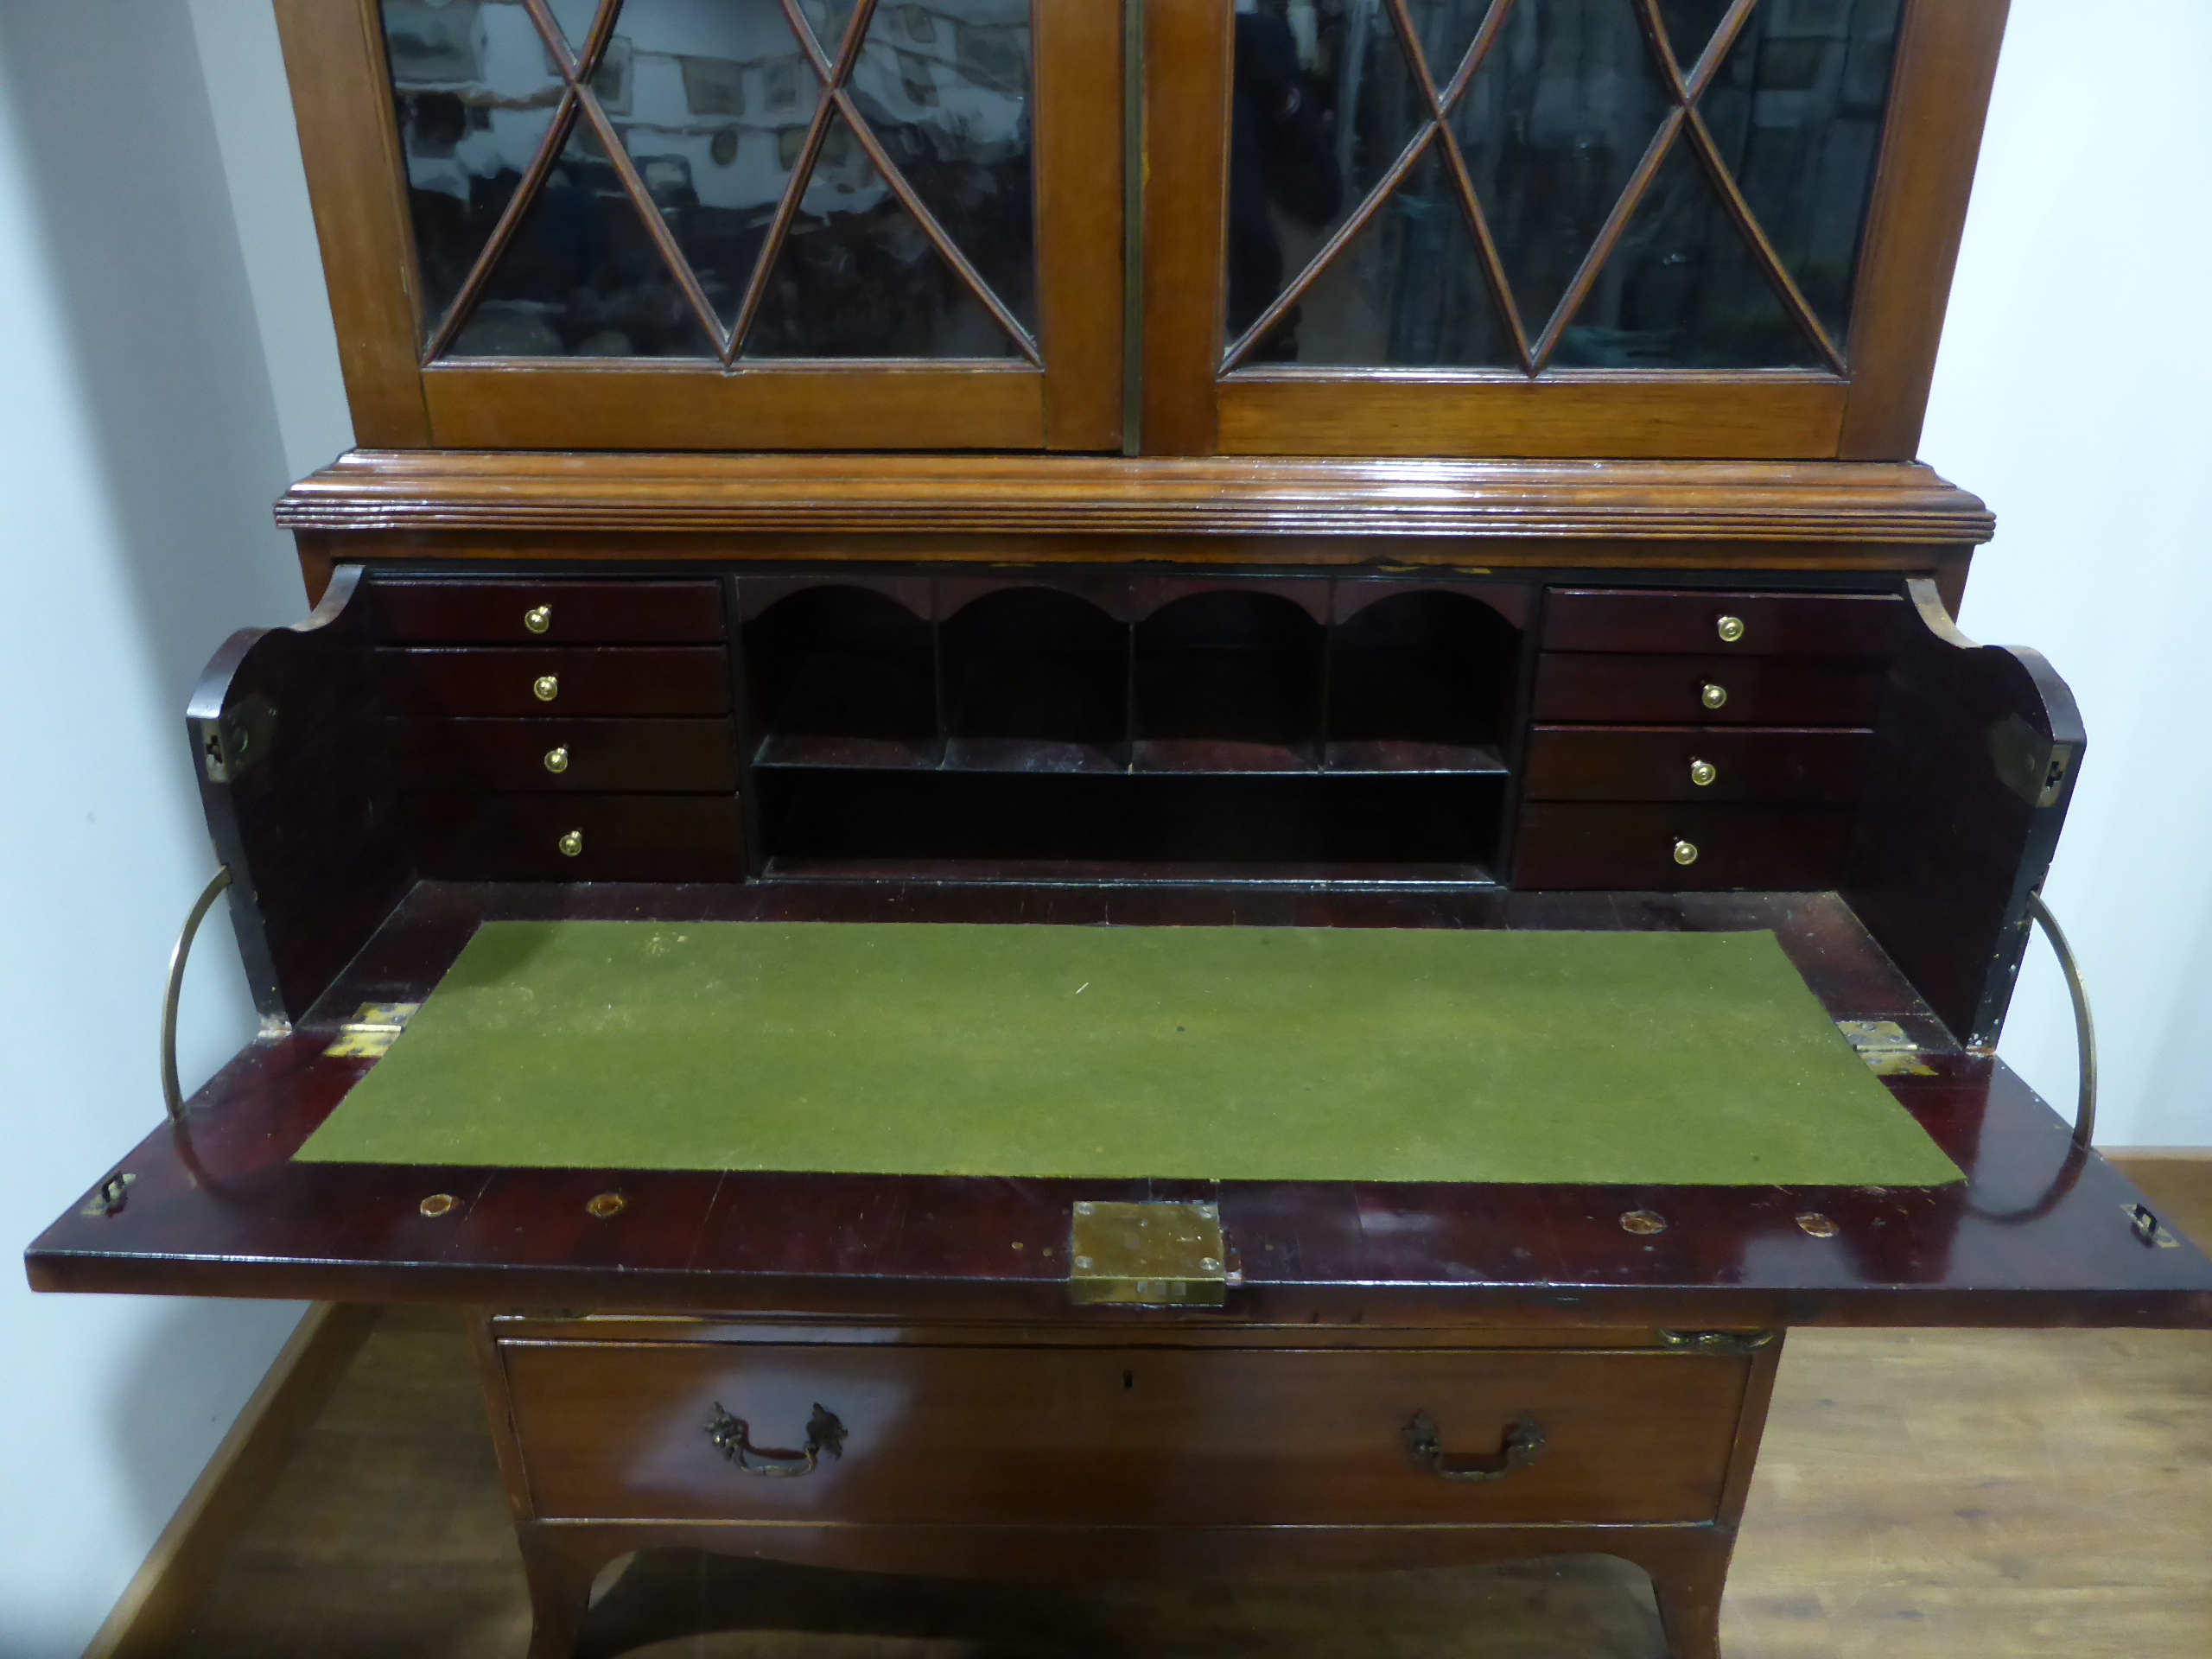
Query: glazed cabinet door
[
  {"x": 719, "y": 223},
  {"x": 1552, "y": 227}
]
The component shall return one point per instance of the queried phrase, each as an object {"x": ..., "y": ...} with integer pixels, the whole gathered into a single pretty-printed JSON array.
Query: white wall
[
  {"x": 2071, "y": 394},
  {"x": 140, "y": 448},
  {"x": 169, "y": 367}
]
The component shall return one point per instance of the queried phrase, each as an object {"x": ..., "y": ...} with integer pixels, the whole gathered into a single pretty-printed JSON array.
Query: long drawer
[
  {"x": 1745, "y": 625},
  {"x": 513, "y": 837},
  {"x": 561, "y": 755},
  {"x": 1667, "y": 847},
  {"x": 1119, "y": 1437},
  {"x": 539, "y": 610},
  {"x": 1661, "y": 689},
  {"x": 1695, "y": 763},
  {"x": 634, "y": 680}
]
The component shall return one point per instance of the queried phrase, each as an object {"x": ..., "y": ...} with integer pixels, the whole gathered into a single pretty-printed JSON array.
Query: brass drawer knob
[
  {"x": 1685, "y": 852},
  {"x": 1702, "y": 773},
  {"x": 538, "y": 618},
  {"x": 556, "y": 762},
  {"x": 1731, "y": 629},
  {"x": 546, "y": 687},
  {"x": 572, "y": 844},
  {"x": 1713, "y": 696}
]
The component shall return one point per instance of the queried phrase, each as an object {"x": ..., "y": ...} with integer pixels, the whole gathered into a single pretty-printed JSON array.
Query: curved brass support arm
[
  {"x": 2085, "y": 1030},
  {"x": 172, "y": 1092}
]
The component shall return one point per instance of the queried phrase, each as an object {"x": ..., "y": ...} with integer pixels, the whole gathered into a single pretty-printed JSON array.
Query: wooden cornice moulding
[{"x": 1889, "y": 502}]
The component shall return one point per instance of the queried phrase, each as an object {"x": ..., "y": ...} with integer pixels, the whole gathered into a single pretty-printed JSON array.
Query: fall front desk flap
[{"x": 1214, "y": 1053}]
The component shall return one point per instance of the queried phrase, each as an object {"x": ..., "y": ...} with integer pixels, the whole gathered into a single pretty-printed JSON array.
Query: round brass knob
[
  {"x": 1702, "y": 773},
  {"x": 1712, "y": 696},
  {"x": 572, "y": 843},
  {"x": 1731, "y": 629},
  {"x": 546, "y": 687},
  {"x": 556, "y": 761},
  {"x": 1685, "y": 852},
  {"x": 538, "y": 618}
]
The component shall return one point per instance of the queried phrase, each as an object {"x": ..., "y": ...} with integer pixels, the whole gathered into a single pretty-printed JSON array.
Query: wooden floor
[{"x": 1996, "y": 1495}]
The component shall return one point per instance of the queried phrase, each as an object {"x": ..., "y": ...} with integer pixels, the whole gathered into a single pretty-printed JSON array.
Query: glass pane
[
  {"x": 1683, "y": 289},
  {"x": 581, "y": 277},
  {"x": 945, "y": 87},
  {"x": 1408, "y": 291},
  {"x": 1797, "y": 112},
  {"x": 828, "y": 19},
  {"x": 857, "y": 276},
  {"x": 712, "y": 102},
  {"x": 475, "y": 95},
  {"x": 1556, "y": 119},
  {"x": 1314, "y": 126},
  {"x": 574, "y": 17},
  {"x": 1690, "y": 24}
]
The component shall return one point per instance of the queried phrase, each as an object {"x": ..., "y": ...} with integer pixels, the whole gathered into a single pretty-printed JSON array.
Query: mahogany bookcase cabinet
[{"x": 1371, "y": 463}]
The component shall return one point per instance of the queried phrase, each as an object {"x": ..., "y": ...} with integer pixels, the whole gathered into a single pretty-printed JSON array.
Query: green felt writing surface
[{"x": 1221, "y": 1053}]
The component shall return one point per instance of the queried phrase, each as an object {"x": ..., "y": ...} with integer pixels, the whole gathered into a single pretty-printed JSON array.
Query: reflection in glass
[
  {"x": 574, "y": 17},
  {"x": 1689, "y": 25},
  {"x": 712, "y": 102},
  {"x": 1408, "y": 289},
  {"x": 1683, "y": 289},
  {"x": 857, "y": 277},
  {"x": 581, "y": 277},
  {"x": 1552, "y": 126},
  {"x": 474, "y": 93},
  {"x": 946, "y": 89},
  {"x": 1797, "y": 112}
]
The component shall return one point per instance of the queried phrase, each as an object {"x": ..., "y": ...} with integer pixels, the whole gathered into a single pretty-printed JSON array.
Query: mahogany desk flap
[{"x": 2040, "y": 1233}]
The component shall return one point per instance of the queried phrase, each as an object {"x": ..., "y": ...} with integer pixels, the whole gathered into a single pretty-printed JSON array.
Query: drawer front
[
  {"x": 676, "y": 680},
  {"x": 1664, "y": 690},
  {"x": 1786, "y": 624},
  {"x": 617, "y": 838},
  {"x": 1695, "y": 763},
  {"x": 647, "y": 755},
  {"x": 1121, "y": 1437},
  {"x": 1634, "y": 846},
  {"x": 536, "y": 612}
]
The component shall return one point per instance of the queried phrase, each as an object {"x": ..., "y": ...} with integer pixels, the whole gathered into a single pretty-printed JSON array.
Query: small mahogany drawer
[
  {"x": 1681, "y": 848},
  {"x": 1694, "y": 763},
  {"x": 1227, "y": 1437},
  {"x": 638, "y": 680},
  {"x": 576, "y": 837},
  {"x": 555, "y": 612},
  {"x": 664, "y": 756},
  {"x": 1664, "y": 690},
  {"x": 1744, "y": 625}
]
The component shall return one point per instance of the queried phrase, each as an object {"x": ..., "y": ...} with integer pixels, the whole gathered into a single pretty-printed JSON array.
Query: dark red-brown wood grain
[
  {"x": 485, "y": 611},
  {"x": 1668, "y": 690},
  {"x": 1652, "y": 763},
  {"x": 648, "y": 755},
  {"x": 1774, "y": 624},
  {"x": 612, "y": 680},
  {"x": 1609, "y": 844}
]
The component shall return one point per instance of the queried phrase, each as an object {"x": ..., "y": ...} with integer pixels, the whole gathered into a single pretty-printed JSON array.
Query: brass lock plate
[{"x": 1147, "y": 1254}]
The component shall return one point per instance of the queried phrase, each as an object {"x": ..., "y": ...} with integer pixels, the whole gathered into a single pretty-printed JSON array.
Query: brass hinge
[
  {"x": 371, "y": 1032},
  {"x": 1717, "y": 1342}
]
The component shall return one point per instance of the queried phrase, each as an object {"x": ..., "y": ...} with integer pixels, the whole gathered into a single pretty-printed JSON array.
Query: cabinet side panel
[
  {"x": 335, "y": 64},
  {"x": 1945, "y": 63}
]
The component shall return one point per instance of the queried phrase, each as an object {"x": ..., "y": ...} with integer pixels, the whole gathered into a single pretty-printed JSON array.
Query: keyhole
[{"x": 1129, "y": 1381}]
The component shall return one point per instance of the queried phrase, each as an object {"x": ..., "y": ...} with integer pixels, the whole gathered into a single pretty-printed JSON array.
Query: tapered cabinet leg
[
  {"x": 1688, "y": 1589},
  {"x": 560, "y": 1594}
]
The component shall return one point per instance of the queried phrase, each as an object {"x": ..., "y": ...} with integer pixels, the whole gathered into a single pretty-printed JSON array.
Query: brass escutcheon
[
  {"x": 546, "y": 687},
  {"x": 1816, "y": 1226},
  {"x": 572, "y": 844},
  {"x": 438, "y": 1204},
  {"x": 606, "y": 1206},
  {"x": 557, "y": 759},
  {"x": 1643, "y": 1222},
  {"x": 1713, "y": 696},
  {"x": 1731, "y": 629},
  {"x": 1702, "y": 773},
  {"x": 538, "y": 618},
  {"x": 1685, "y": 852}
]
